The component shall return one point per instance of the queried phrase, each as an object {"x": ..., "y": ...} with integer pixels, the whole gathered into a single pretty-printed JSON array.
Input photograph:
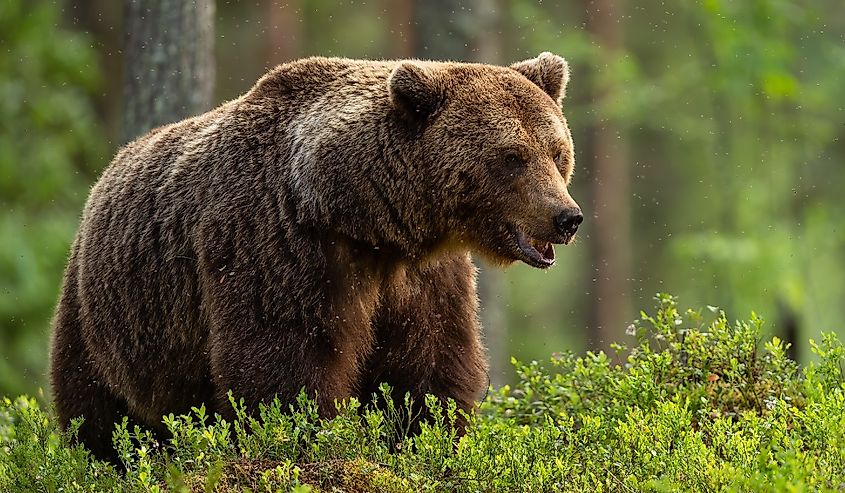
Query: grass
[{"x": 700, "y": 404}]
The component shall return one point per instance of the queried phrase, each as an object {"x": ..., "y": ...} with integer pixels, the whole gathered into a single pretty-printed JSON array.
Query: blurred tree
[
  {"x": 102, "y": 20},
  {"x": 401, "y": 20},
  {"x": 748, "y": 160},
  {"x": 51, "y": 147},
  {"x": 733, "y": 143},
  {"x": 731, "y": 113},
  {"x": 169, "y": 65},
  {"x": 444, "y": 29},
  {"x": 607, "y": 150},
  {"x": 286, "y": 31}
]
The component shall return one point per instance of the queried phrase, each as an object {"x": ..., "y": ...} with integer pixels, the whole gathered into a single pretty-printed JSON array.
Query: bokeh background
[{"x": 709, "y": 143}]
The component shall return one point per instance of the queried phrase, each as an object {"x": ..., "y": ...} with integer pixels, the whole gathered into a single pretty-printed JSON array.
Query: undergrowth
[{"x": 700, "y": 404}]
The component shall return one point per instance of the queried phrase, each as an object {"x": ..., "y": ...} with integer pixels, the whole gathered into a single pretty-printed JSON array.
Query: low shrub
[{"x": 699, "y": 404}]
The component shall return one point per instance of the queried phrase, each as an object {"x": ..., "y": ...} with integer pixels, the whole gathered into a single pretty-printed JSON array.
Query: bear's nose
[{"x": 567, "y": 222}]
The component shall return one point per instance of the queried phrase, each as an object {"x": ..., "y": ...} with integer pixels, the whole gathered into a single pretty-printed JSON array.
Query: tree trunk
[
  {"x": 444, "y": 29},
  {"x": 610, "y": 245},
  {"x": 103, "y": 20},
  {"x": 169, "y": 64},
  {"x": 400, "y": 14},
  {"x": 286, "y": 31}
]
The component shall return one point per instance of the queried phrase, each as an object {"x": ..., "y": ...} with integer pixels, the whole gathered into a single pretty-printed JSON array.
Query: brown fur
[{"x": 313, "y": 233}]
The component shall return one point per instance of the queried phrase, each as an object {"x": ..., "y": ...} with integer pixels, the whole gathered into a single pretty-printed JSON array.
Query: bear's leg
[
  {"x": 428, "y": 338},
  {"x": 259, "y": 368},
  {"x": 259, "y": 353},
  {"x": 287, "y": 311},
  {"x": 76, "y": 389}
]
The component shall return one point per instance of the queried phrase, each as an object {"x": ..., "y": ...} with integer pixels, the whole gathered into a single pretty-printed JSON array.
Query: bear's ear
[
  {"x": 415, "y": 91},
  {"x": 548, "y": 71}
]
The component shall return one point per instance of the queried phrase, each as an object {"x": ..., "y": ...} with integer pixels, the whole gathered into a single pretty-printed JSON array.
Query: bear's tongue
[
  {"x": 541, "y": 253},
  {"x": 549, "y": 252},
  {"x": 544, "y": 248}
]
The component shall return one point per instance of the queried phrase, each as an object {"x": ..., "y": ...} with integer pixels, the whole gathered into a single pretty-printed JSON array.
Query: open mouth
[{"x": 536, "y": 253}]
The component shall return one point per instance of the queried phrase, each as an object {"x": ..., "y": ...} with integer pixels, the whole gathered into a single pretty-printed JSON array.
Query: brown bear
[{"x": 314, "y": 233}]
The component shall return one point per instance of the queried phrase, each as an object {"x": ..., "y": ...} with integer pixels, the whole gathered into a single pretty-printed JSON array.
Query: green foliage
[
  {"x": 35, "y": 456},
  {"x": 729, "y": 113},
  {"x": 700, "y": 404},
  {"x": 49, "y": 144}
]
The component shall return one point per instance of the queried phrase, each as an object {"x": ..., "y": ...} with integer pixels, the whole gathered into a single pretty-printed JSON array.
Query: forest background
[{"x": 709, "y": 144}]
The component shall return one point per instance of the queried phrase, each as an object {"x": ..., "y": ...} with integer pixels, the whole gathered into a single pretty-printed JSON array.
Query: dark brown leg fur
[
  {"x": 256, "y": 370},
  {"x": 275, "y": 330},
  {"x": 77, "y": 391},
  {"x": 428, "y": 338}
]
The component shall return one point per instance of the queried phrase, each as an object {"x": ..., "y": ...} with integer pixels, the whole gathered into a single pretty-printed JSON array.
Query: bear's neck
[
  {"x": 361, "y": 181},
  {"x": 348, "y": 161}
]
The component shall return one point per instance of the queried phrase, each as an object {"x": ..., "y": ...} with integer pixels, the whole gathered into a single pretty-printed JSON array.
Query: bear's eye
[
  {"x": 559, "y": 159},
  {"x": 513, "y": 159}
]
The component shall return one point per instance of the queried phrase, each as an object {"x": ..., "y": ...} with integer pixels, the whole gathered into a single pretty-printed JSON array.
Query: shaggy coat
[{"x": 313, "y": 233}]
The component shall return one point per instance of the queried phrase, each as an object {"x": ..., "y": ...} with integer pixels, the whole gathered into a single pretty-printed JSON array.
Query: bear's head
[{"x": 496, "y": 152}]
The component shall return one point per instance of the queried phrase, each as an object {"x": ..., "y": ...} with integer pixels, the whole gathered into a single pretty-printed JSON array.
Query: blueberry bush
[{"x": 697, "y": 403}]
